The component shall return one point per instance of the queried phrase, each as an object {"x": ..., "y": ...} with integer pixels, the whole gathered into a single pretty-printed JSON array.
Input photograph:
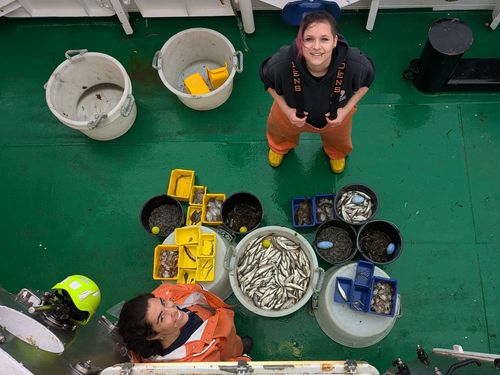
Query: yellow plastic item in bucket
[
  {"x": 195, "y": 85},
  {"x": 217, "y": 76}
]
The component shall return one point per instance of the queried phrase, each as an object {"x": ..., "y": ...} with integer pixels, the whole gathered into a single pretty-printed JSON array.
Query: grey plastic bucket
[
  {"x": 91, "y": 92},
  {"x": 344, "y": 325},
  {"x": 190, "y": 51}
]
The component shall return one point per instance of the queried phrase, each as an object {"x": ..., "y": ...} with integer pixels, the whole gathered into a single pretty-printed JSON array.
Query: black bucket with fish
[
  {"x": 356, "y": 204},
  {"x": 380, "y": 242},
  {"x": 241, "y": 213},
  {"x": 161, "y": 215},
  {"x": 335, "y": 242}
]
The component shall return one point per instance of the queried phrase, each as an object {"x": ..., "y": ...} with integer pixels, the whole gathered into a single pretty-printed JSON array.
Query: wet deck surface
[{"x": 71, "y": 204}]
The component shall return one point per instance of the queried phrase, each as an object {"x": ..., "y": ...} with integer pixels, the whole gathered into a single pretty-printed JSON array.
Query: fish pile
[
  {"x": 273, "y": 272},
  {"x": 168, "y": 264},
  {"x": 324, "y": 209},
  {"x": 214, "y": 208},
  {"x": 382, "y": 298},
  {"x": 355, "y": 206}
]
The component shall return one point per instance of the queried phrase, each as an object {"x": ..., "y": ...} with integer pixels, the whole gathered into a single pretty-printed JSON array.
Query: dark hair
[
  {"x": 135, "y": 329},
  {"x": 308, "y": 20}
]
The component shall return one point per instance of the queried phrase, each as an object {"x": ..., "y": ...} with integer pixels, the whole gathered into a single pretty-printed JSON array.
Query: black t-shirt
[{"x": 193, "y": 323}]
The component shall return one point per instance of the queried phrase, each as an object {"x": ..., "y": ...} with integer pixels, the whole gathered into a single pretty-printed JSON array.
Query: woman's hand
[
  {"x": 299, "y": 122},
  {"x": 290, "y": 113},
  {"x": 341, "y": 115}
]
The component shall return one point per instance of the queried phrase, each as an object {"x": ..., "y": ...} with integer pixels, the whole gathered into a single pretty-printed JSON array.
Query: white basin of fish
[
  {"x": 29, "y": 330},
  {"x": 274, "y": 271}
]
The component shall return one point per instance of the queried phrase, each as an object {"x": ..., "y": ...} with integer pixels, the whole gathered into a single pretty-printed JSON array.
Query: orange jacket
[{"x": 215, "y": 340}]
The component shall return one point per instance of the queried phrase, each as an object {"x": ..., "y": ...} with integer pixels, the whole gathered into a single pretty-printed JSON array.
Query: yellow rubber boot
[
  {"x": 275, "y": 159},
  {"x": 337, "y": 165}
]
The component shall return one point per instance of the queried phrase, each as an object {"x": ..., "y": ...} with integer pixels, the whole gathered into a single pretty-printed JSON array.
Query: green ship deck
[{"x": 71, "y": 204}]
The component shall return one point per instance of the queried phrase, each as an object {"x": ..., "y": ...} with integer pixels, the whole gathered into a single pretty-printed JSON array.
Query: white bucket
[
  {"x": 91, "y": 92},
  {"x": 344, "y": 325},
  {"x": 190, "y": 51},
  {"x": 315, "y": 271}
]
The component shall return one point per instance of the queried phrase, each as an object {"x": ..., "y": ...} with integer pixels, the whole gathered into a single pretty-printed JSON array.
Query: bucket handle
[
  {"x": 321, "y": 277},
  {"x": 317, "y": 287},
  {"x": 230, "y": 248},
  {"x": 128, "y": 105},
  {"x": 157, "y": 60},
  {"x": 75, "y": 53},
  {"x": 400, "y": 310},
  {"x": 95, "y": 123},
  {"x": 238, "y": 61}
]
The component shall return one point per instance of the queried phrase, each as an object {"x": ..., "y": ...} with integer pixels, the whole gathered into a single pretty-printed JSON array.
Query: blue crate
[
  {"x": 394, "y": 285},
  {"x": 316, "y": 198},
  {"x": 364, "y": 274},
  {"x": 360, "y": 298},
  {"x": 346, "y": 285},
  {"x": 295, "y": 204}
]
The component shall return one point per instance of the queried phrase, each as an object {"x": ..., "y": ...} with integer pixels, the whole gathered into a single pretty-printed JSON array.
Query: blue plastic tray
[
  {"x": 295, "y": 204},
  {"x": 360, "y": 298},
  {"x": 316, "y": 199},
  {"x": 346, "y": 285},
  {"x": 364, "y": 274},
  {"x": 394, "y": 285}
]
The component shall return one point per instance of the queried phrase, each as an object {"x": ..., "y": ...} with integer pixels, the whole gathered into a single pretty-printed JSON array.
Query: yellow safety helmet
[{"x": 84, "y": 294}]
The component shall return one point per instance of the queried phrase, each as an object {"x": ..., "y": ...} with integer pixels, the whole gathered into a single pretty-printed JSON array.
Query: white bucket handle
[
  {"x": 95, "y": 123},
  {"x": 128, "y": 106},
  {"x": 321, "y": 277},
  {"x": 157, "y": 60},
  {"x": 317, "y": 287},
  {"x": 230, "y": 253},
  {"x": 238, "y": 61},
  {"x": 75, "y": 53},
  {"x": 400, "y": 310}
]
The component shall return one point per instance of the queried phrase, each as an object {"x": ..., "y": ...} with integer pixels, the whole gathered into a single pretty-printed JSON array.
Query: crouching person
[{"x": 181, "y": 323}]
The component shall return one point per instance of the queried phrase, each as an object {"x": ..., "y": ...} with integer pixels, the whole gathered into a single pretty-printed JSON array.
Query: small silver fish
[{"x": 342, "y": 292}]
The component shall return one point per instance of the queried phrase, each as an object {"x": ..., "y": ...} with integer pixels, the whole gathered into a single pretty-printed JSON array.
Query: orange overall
[
  {"x": 282, "y": 136},
  {"x": 215, "y": 340}
]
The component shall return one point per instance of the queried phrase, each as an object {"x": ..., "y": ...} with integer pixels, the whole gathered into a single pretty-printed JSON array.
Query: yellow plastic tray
[
  {"x": 187, "y": 235},
  {"x": 192, "y": 195},
  {"x": 187, "y": 276},
  {"x": 196, "y": 85},
  {"x": 207, "y": 245},
  {"x": 217, "y": 76},
  {"x": 159, "y": 249},
  {"x": 206, "y": 269},
  {"x": 189, "y": 215},
  {"x": 187, "y": 256},
  {"x": 206, "y": 199},
  {"x": 180, "y": 184}
]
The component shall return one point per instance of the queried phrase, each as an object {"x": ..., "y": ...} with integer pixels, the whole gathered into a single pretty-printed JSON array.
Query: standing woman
[
  {"x": 181, "y": 323},
  {"x": 315, "y": 83}
]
